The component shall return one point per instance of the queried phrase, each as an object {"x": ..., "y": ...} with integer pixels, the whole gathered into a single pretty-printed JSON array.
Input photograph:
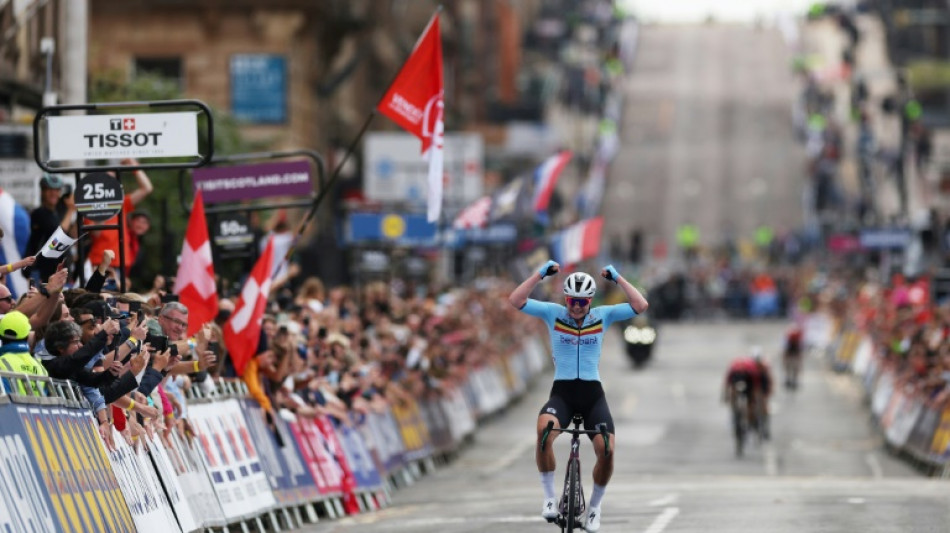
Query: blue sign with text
[{"x": 259, "y": 88}]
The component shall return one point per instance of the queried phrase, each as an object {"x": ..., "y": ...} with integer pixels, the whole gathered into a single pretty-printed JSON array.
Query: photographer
[{"x": 172, "y": 324}]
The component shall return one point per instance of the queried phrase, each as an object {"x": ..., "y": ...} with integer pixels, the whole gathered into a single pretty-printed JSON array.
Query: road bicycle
[
  {"x": 740, "y": 416},
  {"x": 573, "y": 505},
  {"x": 748, "y": 416}
]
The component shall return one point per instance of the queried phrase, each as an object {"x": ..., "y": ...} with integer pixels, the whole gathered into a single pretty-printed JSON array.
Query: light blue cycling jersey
[{"x": 577, "y": 349}]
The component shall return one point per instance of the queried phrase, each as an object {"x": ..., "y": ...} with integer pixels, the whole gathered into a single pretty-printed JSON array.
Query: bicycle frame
[{"x": 573, "y": 504}]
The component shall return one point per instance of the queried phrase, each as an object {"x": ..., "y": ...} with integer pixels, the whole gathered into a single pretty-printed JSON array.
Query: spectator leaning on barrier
[{"x": 15, "y": 351}]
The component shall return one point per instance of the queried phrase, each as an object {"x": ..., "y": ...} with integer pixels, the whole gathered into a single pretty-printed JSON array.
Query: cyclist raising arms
[{"x": 577, "y": 334}]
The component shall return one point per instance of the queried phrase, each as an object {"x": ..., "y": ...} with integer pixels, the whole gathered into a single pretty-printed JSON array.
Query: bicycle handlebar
[{"x": 601, "y": 430}]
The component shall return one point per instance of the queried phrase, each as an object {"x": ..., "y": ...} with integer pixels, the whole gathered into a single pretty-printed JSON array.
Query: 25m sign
[{"x": 122, "y": 136}]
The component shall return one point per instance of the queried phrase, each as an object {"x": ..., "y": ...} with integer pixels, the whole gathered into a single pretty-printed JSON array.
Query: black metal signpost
[{"x": 97, "y": 136}]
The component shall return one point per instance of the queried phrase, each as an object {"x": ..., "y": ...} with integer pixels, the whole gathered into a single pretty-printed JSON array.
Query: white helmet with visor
[{"x": 580, "y": 285}]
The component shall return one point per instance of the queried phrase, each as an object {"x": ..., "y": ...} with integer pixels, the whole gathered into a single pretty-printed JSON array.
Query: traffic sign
[{"x": 99, "y": 196}]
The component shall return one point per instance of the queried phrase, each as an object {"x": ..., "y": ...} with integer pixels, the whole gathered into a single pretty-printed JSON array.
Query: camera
[
  {"x": 214, "y": 347},
  {"x": 135, "y": 307},
  {"x": 173, "y": 349},
  {"x": 168, "y": 297},
  {"x": 157, "y": 342}
]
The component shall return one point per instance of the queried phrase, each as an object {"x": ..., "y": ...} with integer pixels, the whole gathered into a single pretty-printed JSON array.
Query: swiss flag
[
  {"x": 243, "y": 329},
  {"x": 415, "y": 102},
  {"x": 194, "y": 283}
]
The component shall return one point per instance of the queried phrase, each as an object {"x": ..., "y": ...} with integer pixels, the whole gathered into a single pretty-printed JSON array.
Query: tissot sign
[{"x": 122, "y": 136}]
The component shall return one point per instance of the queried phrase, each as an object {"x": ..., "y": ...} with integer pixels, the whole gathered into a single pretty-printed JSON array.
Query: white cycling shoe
[
  {"x": 549, "y": 509},
  {"x": 593, "y": 520}
]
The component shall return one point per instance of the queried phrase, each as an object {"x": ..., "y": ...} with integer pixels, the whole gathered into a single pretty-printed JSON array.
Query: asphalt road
[
  {"x": 707, "y": 137},
  {"x": 825, "y": 469}
]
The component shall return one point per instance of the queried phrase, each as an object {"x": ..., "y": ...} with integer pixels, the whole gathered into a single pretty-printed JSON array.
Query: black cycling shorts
[{"x": 577, "y": 396}]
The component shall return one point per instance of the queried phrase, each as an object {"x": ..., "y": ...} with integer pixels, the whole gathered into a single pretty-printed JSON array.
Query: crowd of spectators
[
  {"x": 909, "y": 331},
  {"x": 322, "y": 351}
]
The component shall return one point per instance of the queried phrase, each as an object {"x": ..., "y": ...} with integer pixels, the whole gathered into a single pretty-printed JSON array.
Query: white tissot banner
[{"x": 120, "y": 136}]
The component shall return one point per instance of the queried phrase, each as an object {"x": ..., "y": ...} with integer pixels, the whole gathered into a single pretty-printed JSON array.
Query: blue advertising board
[
  {"x": 259, "y": 88},
  {"x": 54, "y": 473},
  {"x": 402, "y": 229},
  {"x": 288, "y": 476},
  {"x": 358, "y": 457}
]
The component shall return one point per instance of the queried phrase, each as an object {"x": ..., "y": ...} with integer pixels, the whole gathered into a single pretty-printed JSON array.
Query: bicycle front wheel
[{"x": 573, "y": 518}]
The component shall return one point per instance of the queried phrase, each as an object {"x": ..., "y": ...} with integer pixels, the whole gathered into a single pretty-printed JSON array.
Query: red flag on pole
[
  {"x": 415, "y": 102},
  {"x": 242, "y": 331},
  {"x": 194, "y": 283}
]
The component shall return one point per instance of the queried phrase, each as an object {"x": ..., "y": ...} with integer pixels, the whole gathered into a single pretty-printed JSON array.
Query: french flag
[
  {"x": 15, "y": 221},
  {"x": 578, "y": 242},
  {"x": 545, "y": 179}
]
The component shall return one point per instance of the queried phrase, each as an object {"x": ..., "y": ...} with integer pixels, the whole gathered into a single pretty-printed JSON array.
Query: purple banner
[{"x": 247, "y": 182}]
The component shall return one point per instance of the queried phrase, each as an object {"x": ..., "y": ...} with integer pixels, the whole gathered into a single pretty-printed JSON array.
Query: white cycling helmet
[
  {"x": 756, "y": 352},
  {"x": 580, "y": 285}
]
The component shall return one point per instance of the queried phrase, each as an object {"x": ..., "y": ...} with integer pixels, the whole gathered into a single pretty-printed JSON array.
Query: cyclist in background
[
  {"x": 740, "y": 383},
  {"x": 752, "y": 377},
  {"x": 792, "y": 356},
  {"x": 577, "y": 334}
]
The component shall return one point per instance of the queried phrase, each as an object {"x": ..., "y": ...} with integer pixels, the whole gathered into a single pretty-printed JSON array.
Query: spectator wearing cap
[
  {"x": 15, "y": 352},
  {"x": 51, "y": 214}
]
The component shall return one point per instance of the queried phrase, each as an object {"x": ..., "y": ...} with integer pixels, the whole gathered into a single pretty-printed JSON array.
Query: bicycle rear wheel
[
  {"x": 573, "y": 519},
  {"x": 739, "y": 422}
]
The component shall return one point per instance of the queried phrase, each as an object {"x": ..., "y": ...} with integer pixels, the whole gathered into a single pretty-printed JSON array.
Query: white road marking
[
  {"x": 665, "y": 500},
  {"x": 513, "y": 454},
  {"x": 663, "y": 520},
  {"x": 874, "y": 465},
  {"x": 856, "y": 501}
]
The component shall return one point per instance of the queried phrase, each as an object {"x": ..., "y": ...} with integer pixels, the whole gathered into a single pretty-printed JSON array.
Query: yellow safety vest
[{"x": 24, "y": 363}]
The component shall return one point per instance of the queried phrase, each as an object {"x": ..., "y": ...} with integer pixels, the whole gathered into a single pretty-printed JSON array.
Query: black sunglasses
[{"x": 7, "y": 298}]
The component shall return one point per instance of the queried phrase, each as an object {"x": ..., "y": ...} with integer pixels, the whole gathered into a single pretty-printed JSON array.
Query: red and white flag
[
  {"x": 243, "y": 330},
  {"x": 194, "y": 283},
  {"x": 545, "y": 178},
  {"x": 578, "y": 242},
  {"x": 475, "y": 215},
  {"x": 415, "y": 102}
]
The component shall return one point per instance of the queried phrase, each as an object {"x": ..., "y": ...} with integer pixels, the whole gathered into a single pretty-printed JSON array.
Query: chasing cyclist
[
  {"x": 577, "y": 334},
  {"x": 750, "y": 376}
]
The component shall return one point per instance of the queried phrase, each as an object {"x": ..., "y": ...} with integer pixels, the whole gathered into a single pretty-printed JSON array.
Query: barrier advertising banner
[
  {"x": 84, "y": 492},
  {"x": 231, "y": 459},
  {"x": 289, "y": 477},
  {"x": 173, "y": 490},
  {"x": 324, "y": 469},
  {"x": 25, "y": 503},
  {"x": 358, "y": 457}
]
